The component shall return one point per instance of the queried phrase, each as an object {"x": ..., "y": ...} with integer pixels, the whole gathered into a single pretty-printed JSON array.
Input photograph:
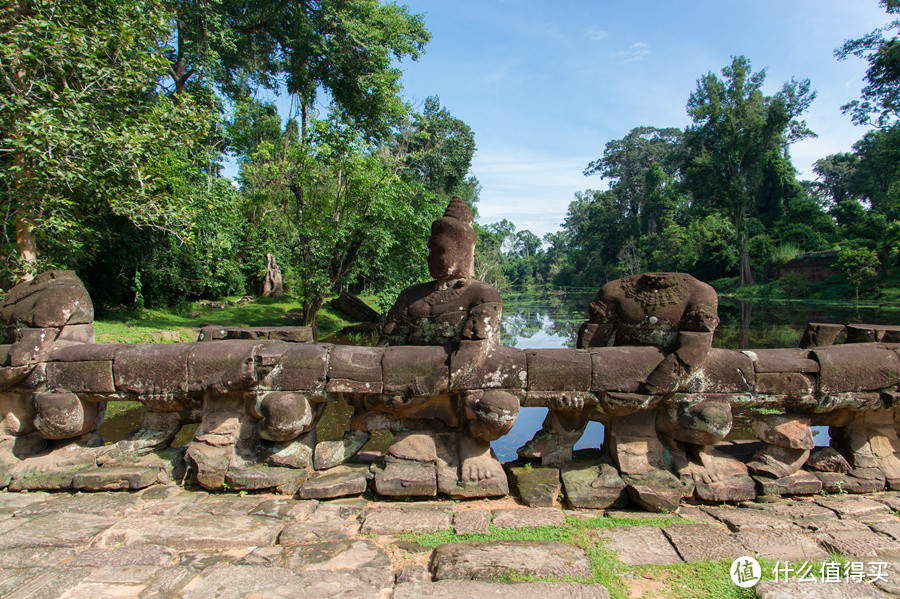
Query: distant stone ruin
[{"x": 442, "y": 384}]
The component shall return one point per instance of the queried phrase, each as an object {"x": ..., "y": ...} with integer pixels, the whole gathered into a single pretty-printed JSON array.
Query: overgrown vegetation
[{"x": 699, "y": 580}]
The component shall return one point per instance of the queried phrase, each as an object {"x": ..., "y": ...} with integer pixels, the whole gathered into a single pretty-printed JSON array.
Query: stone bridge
[{"x": 258, "y": 399}]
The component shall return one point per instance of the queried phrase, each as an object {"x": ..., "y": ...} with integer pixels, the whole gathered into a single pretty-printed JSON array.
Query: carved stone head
[{"x": 451, "y": 247}]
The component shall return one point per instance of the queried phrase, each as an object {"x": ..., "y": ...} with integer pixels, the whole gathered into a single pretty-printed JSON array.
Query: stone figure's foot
[
  {"x": 476, "y": 461},
  {"x": 778, "y": 462},
  {"x": 34, "y": 465},
  {"x": 157, "y": 431},
  {"x": 329, "y": 454},
  {"x": 713, "y": 466},
  {"x": 79, "y": 452},
  {"x": 548, "y": 447}
]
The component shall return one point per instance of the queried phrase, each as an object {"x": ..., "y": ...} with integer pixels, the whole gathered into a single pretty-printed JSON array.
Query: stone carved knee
[
  {"x": 283, "y": 415},
  {"x": 64, "y": 415},
  {"x": 705, "y": 422},
  {"x": 492, "y": 415}
]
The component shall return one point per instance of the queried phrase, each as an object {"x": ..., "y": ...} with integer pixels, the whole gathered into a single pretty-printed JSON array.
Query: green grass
[
  {"x": 121, "y": 325},
  {"x": 880, "y": 292},
  {"x": 700, "y": 580}
]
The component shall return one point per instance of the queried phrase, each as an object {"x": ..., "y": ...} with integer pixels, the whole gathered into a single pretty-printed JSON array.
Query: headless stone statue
[
  {"x": 677, "y": 314},
  {"x": 463, "y": 315}
]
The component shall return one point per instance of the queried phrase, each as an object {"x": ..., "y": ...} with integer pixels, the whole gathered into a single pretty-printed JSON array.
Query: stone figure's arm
[
  {"x": 601, "y": 324},
  {"x": 394, "y": 315},
  {"x": 694, "y": 341}
]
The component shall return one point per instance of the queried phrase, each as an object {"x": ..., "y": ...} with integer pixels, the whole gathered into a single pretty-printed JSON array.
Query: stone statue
[
  {"x": 677, "y": 314},
  {"x": 461, "y": 315}
]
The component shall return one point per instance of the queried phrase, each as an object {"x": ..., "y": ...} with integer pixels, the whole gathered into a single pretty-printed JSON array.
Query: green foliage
[
  {"x": 86, "y": 136},
  {"x": 735, "y": 159},
  {"x": 857, "y": 265}
]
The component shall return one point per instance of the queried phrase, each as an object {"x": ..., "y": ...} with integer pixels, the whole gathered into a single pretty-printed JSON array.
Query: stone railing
[{"x": 257, "y": 401}]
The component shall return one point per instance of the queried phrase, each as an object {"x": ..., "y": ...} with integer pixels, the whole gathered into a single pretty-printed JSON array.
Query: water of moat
[{"x": 551, "y": 319}]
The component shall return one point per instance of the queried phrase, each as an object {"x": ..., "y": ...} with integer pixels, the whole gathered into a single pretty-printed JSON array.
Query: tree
[
  {"x": 880, "y": 103},
  {"x": 857, "y": 265},
  {"x": 85, "y": 134},
  {"x": 639, "y": 166},
  {"x": 738, "y": 142},
  {"x": 345, "y": 48},
  {"x": 436, "y": 149},
  {"x": 838, "y": 174}
]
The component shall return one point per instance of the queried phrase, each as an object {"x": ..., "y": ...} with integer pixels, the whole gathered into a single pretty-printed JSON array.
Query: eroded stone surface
[
  {"x": 193, "y": 532},
  {"x": 500, "y": 590},
  {"x": 337, "y": 482},
  {"x": 749, "y": 520},
  {"x": 640, "y": 545},
  {"x": 785, "y": 545},
  {"x": 387, "y": 520},
  {"x": 538, "y": 487},
  {"x": 487, "y": 560},
  {"x": 527, "y": 517},
  {"x": 472, "y": 522},
  {"x": 794, "y": 589},
  {"x": 700, "y": 542}
]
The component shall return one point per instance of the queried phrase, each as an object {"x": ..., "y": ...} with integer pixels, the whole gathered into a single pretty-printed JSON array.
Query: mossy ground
[
  {"x": 121, "y": 325},
  {"x": 700, "y": 580}
]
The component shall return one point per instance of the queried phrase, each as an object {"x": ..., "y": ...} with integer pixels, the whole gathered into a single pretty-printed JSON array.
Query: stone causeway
[{"x": 169, "y": 542}]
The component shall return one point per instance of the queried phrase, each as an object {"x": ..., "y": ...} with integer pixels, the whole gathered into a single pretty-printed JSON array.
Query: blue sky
[{"x": 544, "y": 85}]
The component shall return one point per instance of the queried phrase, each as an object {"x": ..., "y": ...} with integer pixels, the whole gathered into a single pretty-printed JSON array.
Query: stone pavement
[{"x": 169, "y": 542}]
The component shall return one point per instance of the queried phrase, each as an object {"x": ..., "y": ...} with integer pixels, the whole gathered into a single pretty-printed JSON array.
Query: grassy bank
[
  {"x": 880, "y": 292},
  {"x": 121, "y": 325}
]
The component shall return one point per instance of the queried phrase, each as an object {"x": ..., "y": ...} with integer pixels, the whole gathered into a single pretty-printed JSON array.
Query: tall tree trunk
[
  {"x": 26, "y": 241},
  {"x": 746, "y": 276},
  {"x": 745, "y": 308}
]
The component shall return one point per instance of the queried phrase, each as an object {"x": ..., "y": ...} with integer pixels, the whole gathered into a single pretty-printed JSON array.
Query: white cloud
[
  {"x": 595, "y": 33},
  {"x": 531, "y": 189},
  {"x": 635, "y": 53}
]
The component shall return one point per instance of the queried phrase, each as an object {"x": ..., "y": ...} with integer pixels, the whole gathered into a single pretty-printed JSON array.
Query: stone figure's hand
[
  {"x": 570, "y": 402},
  {"x": 666, "y": 377}
]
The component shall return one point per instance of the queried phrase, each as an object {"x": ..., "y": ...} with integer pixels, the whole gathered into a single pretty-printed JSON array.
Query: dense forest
[{"x": 117, "y": 116}]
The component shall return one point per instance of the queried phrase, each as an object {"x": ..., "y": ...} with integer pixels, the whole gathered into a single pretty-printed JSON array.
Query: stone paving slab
[
  {"x": 391, "y": 520},
  {"x": 701, "y": 542},
  {"x": 640, "y": 545},
  {"x": 165, "y": 543},
  {"x": 861, "y": 544},
  {"x": 737, "y": 519},
  {"x": 12, "y": 579},
  {"x": 96, "y": 504},
  {"x": 298, "y": 533},
  {"x": 56, "y": 530},
  {"x": 472, "y": 522},
  {"x": 50, "y": 584},
  {"x": 794, "y": 589},
  {"x": 138, "y": 555},
  {"x": 193, "y": 532},
  {"x": 781, "y": 545},
  {"x": 260, "y": 582},
  {"x": 794, "y": 510},
  {"x": 472, "y": 589},
  {"x": 888, "y": 498},
  {"x": 26, "y": 557},
  {"x": 852, "y": 507},
  {"x": 524, "y": 517},
  {"x": 490, "y": 560},
  {"x": 13, "y": 502},
  {"x": 337, "y": 555},
  {"x": 890, "y": 528}
]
